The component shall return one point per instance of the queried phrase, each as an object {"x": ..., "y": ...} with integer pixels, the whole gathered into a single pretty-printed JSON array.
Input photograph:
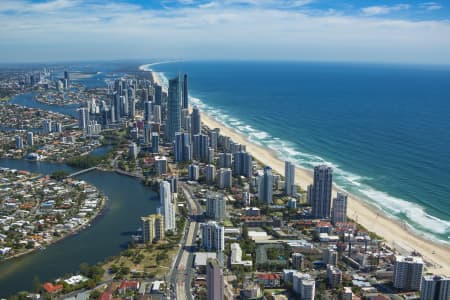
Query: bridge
[{"x": 82, "y": 172}]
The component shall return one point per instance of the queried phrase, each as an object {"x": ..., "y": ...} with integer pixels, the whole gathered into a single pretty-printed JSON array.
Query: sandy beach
[{"x": 395, "y": 234}]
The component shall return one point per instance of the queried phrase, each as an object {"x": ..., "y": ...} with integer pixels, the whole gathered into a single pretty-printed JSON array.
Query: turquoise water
[{"x": 385, "y": 129}]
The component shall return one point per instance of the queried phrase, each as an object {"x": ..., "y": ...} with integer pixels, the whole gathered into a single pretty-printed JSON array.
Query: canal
[{"x": 109, "y": 234}]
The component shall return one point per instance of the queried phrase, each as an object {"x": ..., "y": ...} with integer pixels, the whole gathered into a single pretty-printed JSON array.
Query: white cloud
[
  {"x": 383, "y": 10},
  {"x": 108, "y": 30},
  {"x": 431, "y": 6}
]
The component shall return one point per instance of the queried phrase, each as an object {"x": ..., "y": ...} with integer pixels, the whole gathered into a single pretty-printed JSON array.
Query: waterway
[{"x": 109, "y": 234}]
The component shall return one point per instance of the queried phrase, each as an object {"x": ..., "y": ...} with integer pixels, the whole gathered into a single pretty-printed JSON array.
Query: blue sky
[{"x": 358, "y": 30}]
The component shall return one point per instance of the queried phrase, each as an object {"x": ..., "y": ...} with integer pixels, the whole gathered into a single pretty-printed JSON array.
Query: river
[{"x": 109, "y": 234}]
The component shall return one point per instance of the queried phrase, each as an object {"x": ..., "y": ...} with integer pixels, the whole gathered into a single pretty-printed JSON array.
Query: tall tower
[
  {"x": 214, "y": 280},
  {"x": 321, "y": 198},
  {"x": 265, "y": 186},
  {"x": 195, "y": 121},
  {"x": 185, "y": 92},
  {"x": 83, "y": 118},
  {"x": 339, "y": 212},
  {"x": 173, "y": 124},
  {"x": 289, "y": 178}
]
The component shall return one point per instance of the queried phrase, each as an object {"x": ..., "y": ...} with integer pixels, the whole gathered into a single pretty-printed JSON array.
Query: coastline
[{"x": 395, "y": 234}]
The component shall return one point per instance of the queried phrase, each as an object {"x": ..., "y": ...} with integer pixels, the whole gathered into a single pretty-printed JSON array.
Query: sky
[{"x": 296, "y": 30}]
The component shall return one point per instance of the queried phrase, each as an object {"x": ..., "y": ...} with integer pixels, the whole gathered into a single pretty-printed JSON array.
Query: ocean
[{"x": 385, "y": 129}]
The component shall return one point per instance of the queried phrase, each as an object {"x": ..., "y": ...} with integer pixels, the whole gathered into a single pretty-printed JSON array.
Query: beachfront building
[
  {"x": 195, "y": 121},
  {"x": 289, "y": 178},
  {"x": 182, "y": 147},
  {"x": 407, "y": 273},
  {"x": 214, "y": 280},
  {"x": 339, "y": 211},
  {"x": 213, "y": 238},
  {"x": 265, "y": 185},
  {"x": 173, "y": 124},
  {"x": 242, "y": 164},
  {"x": 152, "y": 228},
  {"x": 167, "y": 207},
  {"x": 185, "y": 92},
  {"x": 321, "y": 193},
  {"x": 216, "y": 206},
  {"x": 200, "y": 145},
  {"x": 435, "y": 288}
]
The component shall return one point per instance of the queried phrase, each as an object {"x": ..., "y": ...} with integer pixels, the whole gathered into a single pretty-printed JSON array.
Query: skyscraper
[
  {"x": 216, "y": 206},
  {"x": 158, "y": 94},
  {"x": 214, "y": 280},
  {"x": 152, "y": 228},
  {"x": 185, "y": 92},
  {"x": 242, "y": 164},
  {"x": 147, "y": 111},
  {"x": 435, "y": 288},
  {"x": 194, "y": 172},
  {"x": 213, "y": 236},
  {"x": 195, "y": 121},
  {"x": 173, "y": 124},
  {"x": 182, "y": 147},
  {"x": 289, "y": 178},
  {"x": 210, "y": 173},
  {"x": 265, "y": 186},
  {"x": 30, "y": 141},
  {"x": 19, "y": 142},
  {"x": 407, "y": 273},
  {"x": 167, "y": 207},
  {"x": 83, "y": 118},
  {"x": 339, "y": 211},
  {"x": 155, "y": 142},
  {"x": 321, "y": 198},
  {"x": 225, "y": 178}
]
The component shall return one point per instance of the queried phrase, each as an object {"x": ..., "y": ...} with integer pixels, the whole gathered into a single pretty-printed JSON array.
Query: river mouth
[{"x": 108, "y": 235}]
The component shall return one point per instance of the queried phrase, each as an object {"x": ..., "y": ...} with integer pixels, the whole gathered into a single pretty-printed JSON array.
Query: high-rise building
[
  {"x": 173, "y": 123},
  {"x": 265, "y": 186},
  {"x": 157, "y": 114},
  {"x": 195, "y": 121},
  {"x": 160, "y": 165},
  {"x": 308, "y": 289},
  {"x": 289, "y": 178},
  {"x": 30, "y": 140},
  {"x": 225, "y": 160},
  {"x": 83, "y": 118},
  {"x": 216, "y": 206},
  {"x": 147, "y": 133},
  {"x": 334, "y": 276},
  {"x": 19, "y": 142},
  {"x": 210, "y": 173},
  {"x": 242, "y": 164},
  {"x": 321, "y": 198},
  {"x": 298, "y": 261},
  {"x": 194, "y": 172},
  {"x": 47, "y": 126},
  {"x": 147, "y": 111},
  {"x": 152, "y": 228},
  {"x": 185, "y": 92},
  {"x": 200, "y": 147},
  {"x": 309, "y": 194},
  {"x": 158, "y": 94},
  {"x": 213, "y": 236},
  {"x": 155, "y": 142},
  {"x": 133, "y": 151},
  {"x": 214, "y": 280},
  {"x": 407, "y": 273},
  {"x": 435, "y": 288},
  {"x": 182, "y": 147},
  {"x": 330, "y": 257},
  {"x": 167, "y": 207},
  {"x": 225, "y": 178},
  {"x": 339, "y": 210},
  {"x": 213, "y": 138}
]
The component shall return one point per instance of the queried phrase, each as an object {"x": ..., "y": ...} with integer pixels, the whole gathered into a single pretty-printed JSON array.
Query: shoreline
[
  {"x": 394, "y": 233},
  {"x": 70, "y": 233}
]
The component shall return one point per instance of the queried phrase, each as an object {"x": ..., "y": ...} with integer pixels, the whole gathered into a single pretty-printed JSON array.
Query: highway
[{"x": 182, "y": 273}]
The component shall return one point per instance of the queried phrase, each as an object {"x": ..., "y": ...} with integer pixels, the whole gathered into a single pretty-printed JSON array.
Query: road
[{"x": 182, "y": 273}]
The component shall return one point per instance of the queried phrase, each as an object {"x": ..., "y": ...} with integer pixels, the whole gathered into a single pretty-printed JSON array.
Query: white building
[
  {"x": 216, "y": 206},
  {"x": 407, "y": 273},
  {"x": 289, "y": 178},
  {"x": 435, "y": 288},
  {"x": 339, "y": 210},
  {"x": 225, "y": 178},
  {"x": 167, "y": 207},
  {"x": 213, "y": 236}
]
